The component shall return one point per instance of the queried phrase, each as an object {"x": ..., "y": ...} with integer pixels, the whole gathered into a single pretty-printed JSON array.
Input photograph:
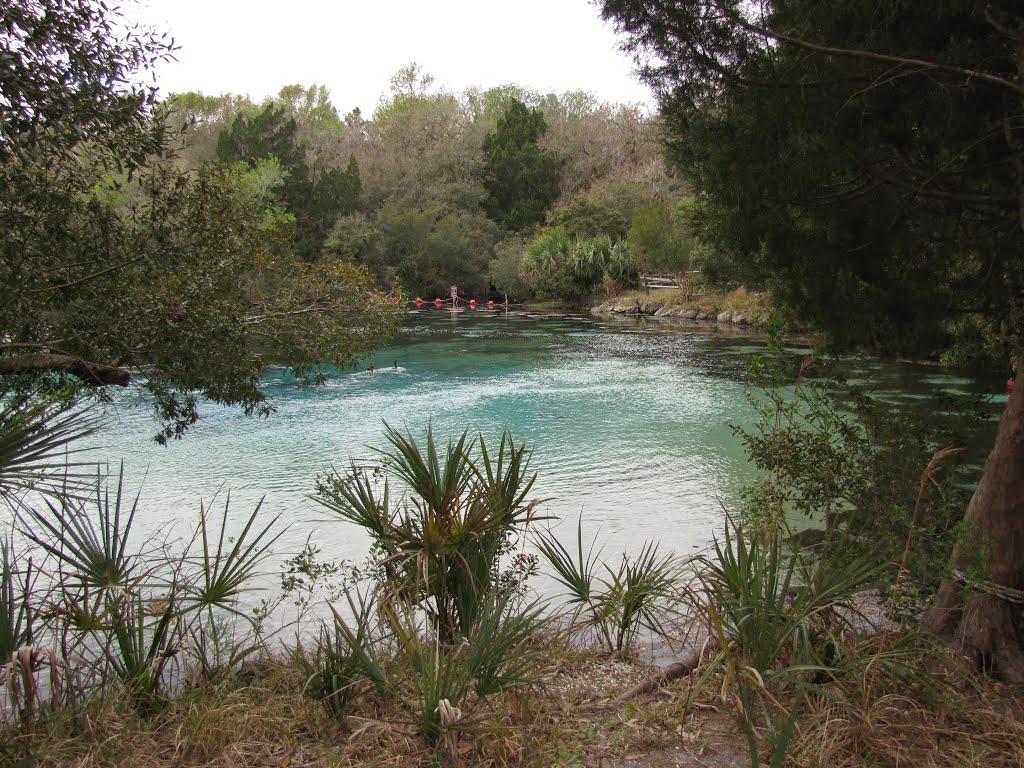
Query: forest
[{"x": 502, "y": 192}]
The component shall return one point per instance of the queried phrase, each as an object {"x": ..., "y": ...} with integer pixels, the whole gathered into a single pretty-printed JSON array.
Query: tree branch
[
  {"x": 970, "y": 74},
  {"x": 96, "y": 374},
  {"x": 318, "y": 305},
  {"x": 650, "y": 685}
]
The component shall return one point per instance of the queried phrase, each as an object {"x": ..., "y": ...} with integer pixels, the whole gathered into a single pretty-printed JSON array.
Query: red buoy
[
  {"x": 472, "y": 303},
  {"x": 490, "y": 304},
  {"x": 418, "y": 301},
  {"x": 437, "y": 302}
]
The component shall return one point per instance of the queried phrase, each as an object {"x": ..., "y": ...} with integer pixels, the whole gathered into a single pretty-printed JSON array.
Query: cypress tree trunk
[{"x": 986, "y": 626}]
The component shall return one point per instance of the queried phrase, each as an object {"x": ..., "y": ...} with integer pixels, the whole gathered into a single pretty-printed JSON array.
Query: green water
[{"x": 628, "y": 424}]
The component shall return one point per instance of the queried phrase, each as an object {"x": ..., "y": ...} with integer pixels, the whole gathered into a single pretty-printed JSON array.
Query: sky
[{"x": 254, "y": 47}]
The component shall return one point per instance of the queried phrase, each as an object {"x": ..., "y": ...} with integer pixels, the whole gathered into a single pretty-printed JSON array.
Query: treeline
[{"x": 502, "y": 191}]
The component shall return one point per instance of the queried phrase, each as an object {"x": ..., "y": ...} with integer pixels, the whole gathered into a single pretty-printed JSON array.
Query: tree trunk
[{"x": 986, "y": 626}]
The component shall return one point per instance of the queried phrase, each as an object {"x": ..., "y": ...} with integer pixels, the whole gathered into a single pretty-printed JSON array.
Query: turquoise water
[
  {"x": 628, "y": 429},
  {"x": 628, "y": 424}
]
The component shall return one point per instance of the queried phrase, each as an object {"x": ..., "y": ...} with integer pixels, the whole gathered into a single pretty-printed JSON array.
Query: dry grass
[
  {"x": 262, "y": 719},
  {"x": 953, "y": 718}
]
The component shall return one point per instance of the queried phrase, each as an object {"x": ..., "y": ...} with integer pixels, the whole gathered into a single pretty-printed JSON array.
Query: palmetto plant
[
  {"x": 37, "y": 448},
  {"x": 388, "y": 647},
  {"x": 88, "y": 604},
  {"x": 134, "y": 614},
  {"x": 777, "y": 618},
  {"x": 441, "y": 541},
  {"x": 15, "y": 615},
  {"x": 641, "y": 593},
  {"x": 550, "y": 252},
  {"x": 439, "y": 632}
]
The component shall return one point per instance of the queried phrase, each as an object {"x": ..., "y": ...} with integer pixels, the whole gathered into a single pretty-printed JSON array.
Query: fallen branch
[
  {"x": 651, "y": 684},
  {"x": 1009, "y": 594}
]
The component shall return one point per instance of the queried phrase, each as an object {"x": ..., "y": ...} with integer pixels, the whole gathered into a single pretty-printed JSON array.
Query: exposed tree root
[{"x": 651, "y": 684}]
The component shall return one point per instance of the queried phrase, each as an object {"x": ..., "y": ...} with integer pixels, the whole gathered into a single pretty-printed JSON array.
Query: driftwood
[
  {"x": 651, "y": 684},
  {"x": 92, "y": 373}
]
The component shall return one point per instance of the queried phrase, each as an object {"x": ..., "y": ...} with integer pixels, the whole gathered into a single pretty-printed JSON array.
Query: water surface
[{"x": 628, "y": 423}]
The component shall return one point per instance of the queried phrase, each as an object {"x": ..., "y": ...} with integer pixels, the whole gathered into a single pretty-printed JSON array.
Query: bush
[
  {"x": 832, "y": 453},
  {"x": 641, "y": 593},
  {"x": 442, "y": 622}
]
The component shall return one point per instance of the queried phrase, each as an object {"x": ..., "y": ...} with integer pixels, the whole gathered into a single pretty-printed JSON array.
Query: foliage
[
  {"x": 661, "y": 238},
  {"x": 181, "y": 282},
  {"x": 114, "y": 262},
  {"x": 316, "y": 203},
  {"x": 878, "y": 231},
  {"x": 545, "y": 265},
  {"x": 37, "y": 452},
  {"x": 441, "y": 622},
  {"x": 422, "y": 172},
  {"x": 441, "y": 547},
  {"x": 641, "y": 593},
  {"x": 583, "y": 216},
  {"x": 134, "y": 614},
  {"x": 521, "y": 178},
  {"x": 423, "y": 147},
  {"x": 353, "y": 236},
  {"x": 895, "y": 233},
  {"x": 428, "y": 249},
  {"x": 16, "y": 620},
  {"x": 558, "y": 266},
  {"x": 833, "y": 453},
  {"x": 67, "y": 83},
  {"x": 778, "y": 621},
  {"x": 90, "y": 604},
  {"x": 504, "y": 272},
  {"x": 387, "y": 650}
]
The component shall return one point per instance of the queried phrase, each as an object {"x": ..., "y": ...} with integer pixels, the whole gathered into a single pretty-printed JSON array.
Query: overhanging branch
[
  {"x": 968, "y": 74},
  {"x": 96, "y": 374}
]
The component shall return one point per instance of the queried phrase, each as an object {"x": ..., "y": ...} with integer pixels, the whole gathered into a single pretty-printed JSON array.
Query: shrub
[
  {"x": 641, "y": 593},
  {"x": 442, "y": 628}
]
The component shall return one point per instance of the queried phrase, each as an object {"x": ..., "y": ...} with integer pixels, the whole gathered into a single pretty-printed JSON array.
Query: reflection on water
[{"x": 628, "y": 424}]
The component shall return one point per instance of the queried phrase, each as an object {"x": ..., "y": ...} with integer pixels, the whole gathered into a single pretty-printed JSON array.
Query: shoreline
[{"x": 653, "y": 308}]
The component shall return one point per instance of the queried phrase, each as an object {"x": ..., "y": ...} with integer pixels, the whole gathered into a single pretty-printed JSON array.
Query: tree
[
  {"x": 316, "y": 203},
  {"x": 522, "y": 180},
  {"x": 429, "y": 249},
  {"x": 113, "y": 263},
  {"x": 661, "y": 239},
  {"x": 67, "y": 82},
  {"x": 869, "y": 156},
  {"x": 195, "y": 122},
  {"x": 587, "y": 217},
  {"x": 503, "y": 270},
  {"x": 423, "y": 146}
]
